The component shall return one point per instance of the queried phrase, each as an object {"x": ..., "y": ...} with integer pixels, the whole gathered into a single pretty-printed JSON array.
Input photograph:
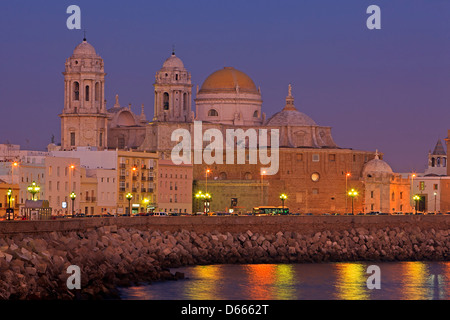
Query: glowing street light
[
  {"x": 416, "y": 199},
  {"x": 33, "y": 188},
  {"x": 9, "y": 194},
  {"x": 206, "y": 175},
  {"x": 129, "y": 196},
  {"x": 353, "y": 193},
  {"x": 347, "y": 175},
  {"x": 73, "y": 195},
  {"x": 283, "y": 197}
]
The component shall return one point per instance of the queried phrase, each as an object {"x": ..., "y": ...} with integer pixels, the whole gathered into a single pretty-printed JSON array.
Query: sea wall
[
  {"x": 34, "y": 266},
  {"x": 202, "y": 224}
]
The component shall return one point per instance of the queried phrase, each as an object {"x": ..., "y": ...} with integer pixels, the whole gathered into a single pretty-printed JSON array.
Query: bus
[{"x": 270, "y": 211}]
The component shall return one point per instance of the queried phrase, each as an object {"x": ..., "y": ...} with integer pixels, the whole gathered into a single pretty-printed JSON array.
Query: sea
[{"x": 410, "y": 280}]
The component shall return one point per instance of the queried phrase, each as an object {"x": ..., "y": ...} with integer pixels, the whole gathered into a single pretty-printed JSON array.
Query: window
[
  {"x": 371, "y": 207},
  {"x": 97, "y": 91},
  {"x": 213, "y": 113},
  {"x": 422, "y": 185},
  {"x": 185, "y": 101},
  {"x": 401, "y": 197},
  {"x": 299, "y": 156},
  {"x": 72, "y": 139},
  {"x": 435, "y": 187},
  {"x": 371, "y": 194},
  {"x": 87, "y": 93},
  {"x": 315, "y": 191},
  {"x": 315, "y": 157},
  {"x": 100, "y": 142},
  {"x": 255, "y": 114},
  {"x": 166, "y": 101},
  {"x": 393, "y": 196},
  {"x": 76, "y": 91},
  {"x": 332, "y": 157}
]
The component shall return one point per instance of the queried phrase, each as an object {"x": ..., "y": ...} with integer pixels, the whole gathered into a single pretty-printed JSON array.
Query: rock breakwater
[{"x": 35, "y": 266}]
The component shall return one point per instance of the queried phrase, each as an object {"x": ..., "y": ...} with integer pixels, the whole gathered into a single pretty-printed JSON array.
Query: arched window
[
  {"x": 76, "y": 91},
  {"x": 432, "y": 162},
  {"x": 185, "y": 102},
  {"x": 97, "y": 91},
  {"x": 166, "y": 101},
  {"x": 213, "y": 113},
  {"x": 87, "y": 93},
  {"x": 438, "y": 162},
  {"x": 255, "y": 114}
]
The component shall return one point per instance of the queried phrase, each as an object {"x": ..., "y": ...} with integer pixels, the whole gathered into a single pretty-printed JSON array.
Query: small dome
[
  {"x": 173, "y": 62},
  {"x": 84, "y": 49},
  {"x": 290, "y": 118},
  {"x": 228, "y": 79},
  {"x": 376, "y": 166}
]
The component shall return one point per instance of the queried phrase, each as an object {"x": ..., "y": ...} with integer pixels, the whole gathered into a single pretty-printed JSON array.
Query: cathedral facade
[{"x": 314, "y": 172}]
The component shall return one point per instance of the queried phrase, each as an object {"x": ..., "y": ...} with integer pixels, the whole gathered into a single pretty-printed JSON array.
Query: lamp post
[
  {"x": 413, "y": 175},
  {"x": 73, "y": 195},
  {"x": 346, "y": 190},
  {"x": 9, "y": 203},
  {"x": 207, "y": 197},
  {"x": 416, "y": 199},
  {"x": 353, "y": 193},
  {"x": 129, "y": 196},
  {"x": 33, "y": 188},
  {"x": 283, "y": 197},
  {"x": 262, "y": 186},
  {"x": 435, "y": 194},
  {"x": 206, "y": 175}
]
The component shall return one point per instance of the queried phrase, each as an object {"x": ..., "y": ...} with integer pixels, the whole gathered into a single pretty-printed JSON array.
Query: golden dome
[{"x": 229, "y": 79}]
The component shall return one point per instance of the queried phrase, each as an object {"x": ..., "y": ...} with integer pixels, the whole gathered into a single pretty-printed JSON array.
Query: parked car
[{"x": 160, "y": 214}]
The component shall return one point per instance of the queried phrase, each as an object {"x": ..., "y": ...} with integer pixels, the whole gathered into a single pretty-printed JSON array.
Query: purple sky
[{"x": 383, "y": 89}]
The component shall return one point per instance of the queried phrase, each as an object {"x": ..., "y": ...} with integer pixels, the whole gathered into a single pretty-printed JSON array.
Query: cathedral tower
[
  {"x": 173, "y": 92},
  {"x": 84, "y": 117}
]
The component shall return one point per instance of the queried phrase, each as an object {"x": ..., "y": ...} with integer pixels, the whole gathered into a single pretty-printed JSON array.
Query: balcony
[
  {"x": 122, "y": 166},
  {"x": 150, "y": 179},
  {"x": 143, "y": 178},
  {"x": 150, "y": 190},
  {"x": 122, "y": 177},
  {"x": 134, "y": 178},
  {"x": 122, "y": 189},
  {"x": 143, "y": 190},
  {"x": 134, "y": 189}
]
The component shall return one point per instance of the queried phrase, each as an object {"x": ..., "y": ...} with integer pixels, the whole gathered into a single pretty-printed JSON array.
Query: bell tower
[
  {"x": 84, "y": 117},
  {"x": 173, "y": 92}
]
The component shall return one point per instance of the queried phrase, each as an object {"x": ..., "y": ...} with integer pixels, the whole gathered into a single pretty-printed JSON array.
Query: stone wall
[{"x": 202, "y": 224}]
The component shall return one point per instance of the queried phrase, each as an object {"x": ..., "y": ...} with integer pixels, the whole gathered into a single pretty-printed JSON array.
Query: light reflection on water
[{"x": 327, "y": 281}]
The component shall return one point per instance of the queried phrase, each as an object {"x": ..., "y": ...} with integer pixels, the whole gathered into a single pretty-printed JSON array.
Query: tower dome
[
  {"x": 173, "y": 62},
  {"x": 84, "y": 49},
  {"x": 377, "y": 165}
]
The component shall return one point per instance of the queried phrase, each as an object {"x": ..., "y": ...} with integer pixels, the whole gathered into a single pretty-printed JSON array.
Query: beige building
[
  {"x": 174, "y": 187},
  {"x": 137, "y": 172},
  {"x": 63, "y": 176}
]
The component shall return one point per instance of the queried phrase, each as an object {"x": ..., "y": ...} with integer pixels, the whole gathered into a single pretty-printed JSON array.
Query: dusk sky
[{"x": 385, "y": 89}]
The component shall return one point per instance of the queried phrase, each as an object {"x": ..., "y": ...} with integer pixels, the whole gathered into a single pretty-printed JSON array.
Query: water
[{"x": 327, "y": 281}]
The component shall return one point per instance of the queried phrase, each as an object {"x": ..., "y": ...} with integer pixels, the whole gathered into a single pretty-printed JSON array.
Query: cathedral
[{"x": 314, "y": 172}]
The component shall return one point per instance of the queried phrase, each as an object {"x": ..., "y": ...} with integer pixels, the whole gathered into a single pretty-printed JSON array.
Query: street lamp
[
  {"x": 347, "y": 175},
  {"x": 353, "y": 193},
  {"x": 73, "y": 195},
  {"x": 129, "y": 196},
  {"x": 416, "y": 199},
  {"x": 33, "y": 188},
  {"x": 206, "y": 175},
  {"x": 9, "y": 194},
  {"x": 263, "y": 172},
  {"x": 283, "y": 197},
  {"x": 435, "y": 194}
]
